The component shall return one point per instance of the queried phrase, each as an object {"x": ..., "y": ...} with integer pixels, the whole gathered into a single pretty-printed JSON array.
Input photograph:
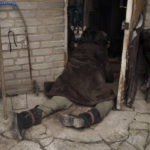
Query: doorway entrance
[{"x": 105, "y": 15}]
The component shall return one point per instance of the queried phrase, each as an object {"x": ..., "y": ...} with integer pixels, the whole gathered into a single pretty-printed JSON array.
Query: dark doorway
[
  {"x": 108, "y": 15},
  {"x": 75, "y": 12},
  {"x": 105, "y": 15}
]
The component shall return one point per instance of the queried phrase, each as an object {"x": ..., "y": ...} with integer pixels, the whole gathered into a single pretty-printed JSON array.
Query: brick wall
[
  {"x": 45, "y": 21},
  {"x": 147, "y": 17}
]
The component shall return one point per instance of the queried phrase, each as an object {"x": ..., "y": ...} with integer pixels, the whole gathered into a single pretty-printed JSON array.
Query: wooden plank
[
  {"x": 3, "y": 81},
  {"x": 138, "y": 7},
  {"x": 134, "y": 9},
  {"x": 85, "y": 14},
  {"x": 66, "y": 31},
  {"x": 124, "y": 55}
]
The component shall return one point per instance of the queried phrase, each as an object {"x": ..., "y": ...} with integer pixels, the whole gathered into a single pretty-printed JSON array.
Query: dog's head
[{"x": 78, "y": 31}]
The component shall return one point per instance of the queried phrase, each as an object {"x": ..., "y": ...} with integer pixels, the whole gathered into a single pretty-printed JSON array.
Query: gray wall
[{"x": 45, "y": 21}]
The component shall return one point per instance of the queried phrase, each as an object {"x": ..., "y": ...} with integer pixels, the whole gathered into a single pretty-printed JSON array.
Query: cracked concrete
[
  {"x": 26, "y": 145},
  {"x": 121, "y": 130}
]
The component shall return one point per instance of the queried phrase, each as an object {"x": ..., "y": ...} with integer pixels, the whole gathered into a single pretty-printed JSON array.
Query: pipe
[{"x": 8, "y": 3}]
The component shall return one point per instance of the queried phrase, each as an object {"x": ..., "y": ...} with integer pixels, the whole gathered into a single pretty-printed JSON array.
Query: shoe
[
  {"x": 26, "y": 119},
  {"x": 72, "y": 121}
]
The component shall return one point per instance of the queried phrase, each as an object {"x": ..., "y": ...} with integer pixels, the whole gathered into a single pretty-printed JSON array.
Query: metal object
[
  {"x": 3, "y": 81},
  {"x": 36, "y": 88},
  {"x": 26, "y": 33},
  {"x": 125, "y": 25},
  {"x": 9, "y": 32}
]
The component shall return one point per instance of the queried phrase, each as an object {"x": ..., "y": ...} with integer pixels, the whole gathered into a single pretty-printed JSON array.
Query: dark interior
[{"x": 106, "y": 15}]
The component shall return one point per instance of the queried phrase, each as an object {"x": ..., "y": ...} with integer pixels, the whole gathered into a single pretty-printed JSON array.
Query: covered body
[{"x": 85, "y": 75}]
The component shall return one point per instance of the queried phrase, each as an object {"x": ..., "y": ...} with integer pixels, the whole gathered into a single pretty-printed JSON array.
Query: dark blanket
[{"x": 84, "y": 78}]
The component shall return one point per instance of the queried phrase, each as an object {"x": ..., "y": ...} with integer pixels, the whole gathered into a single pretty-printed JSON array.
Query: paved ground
[{"x": 120, "y": 130}]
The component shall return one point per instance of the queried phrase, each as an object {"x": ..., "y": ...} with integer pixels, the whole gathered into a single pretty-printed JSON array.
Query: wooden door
[{"x": 134, "y": 22}]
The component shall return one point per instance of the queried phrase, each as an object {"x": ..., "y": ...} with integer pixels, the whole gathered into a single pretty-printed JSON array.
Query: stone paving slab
[
  {"x": 51, "y": 127},
  {"x": 138, "y": 139},
  {"x": 147, "y": 147},
  {"x": 143, "y": 118},
  {"x": 67, "y": 145},
  {"x": 45, "y": 142},
  {"x": 6, "y": 144},
  {"x": 115, "y": 126},
  {"x": 126, "y": 146},
  {"x": 141, "y": 106},
  {"x": 115, "y": 145},
  {"x": 135, "y": 125},
  {"x": 120, "y": 130},
  {"x": 26, "y": 145},
  {"x": 5, "y": 125}
]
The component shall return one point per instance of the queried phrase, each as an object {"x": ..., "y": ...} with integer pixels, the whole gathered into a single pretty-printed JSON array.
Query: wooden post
[
  {"x": 124, "y": 55},
  {"x": 85, "y": 14},
  {"x": 3, "y": 81},
  {"x": 66, "y": 31}
]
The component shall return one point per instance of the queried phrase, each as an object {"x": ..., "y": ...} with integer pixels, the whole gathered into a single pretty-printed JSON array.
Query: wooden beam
[
  {"x": 66, "y": 31},
  {"x": 121, "y": 86},
  {"x": 139, "y": 6},
  {"x": 3, "y": 81},
  {"x": 85, "y": 13}
]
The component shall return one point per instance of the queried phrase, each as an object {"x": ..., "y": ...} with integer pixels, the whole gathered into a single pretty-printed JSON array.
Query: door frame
[
  {"x": 133, "y": 12},
  {"x": 121, "y": 86},
  {"x": 130, "y": 19},
  {"x": 66, "y": 32}
]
